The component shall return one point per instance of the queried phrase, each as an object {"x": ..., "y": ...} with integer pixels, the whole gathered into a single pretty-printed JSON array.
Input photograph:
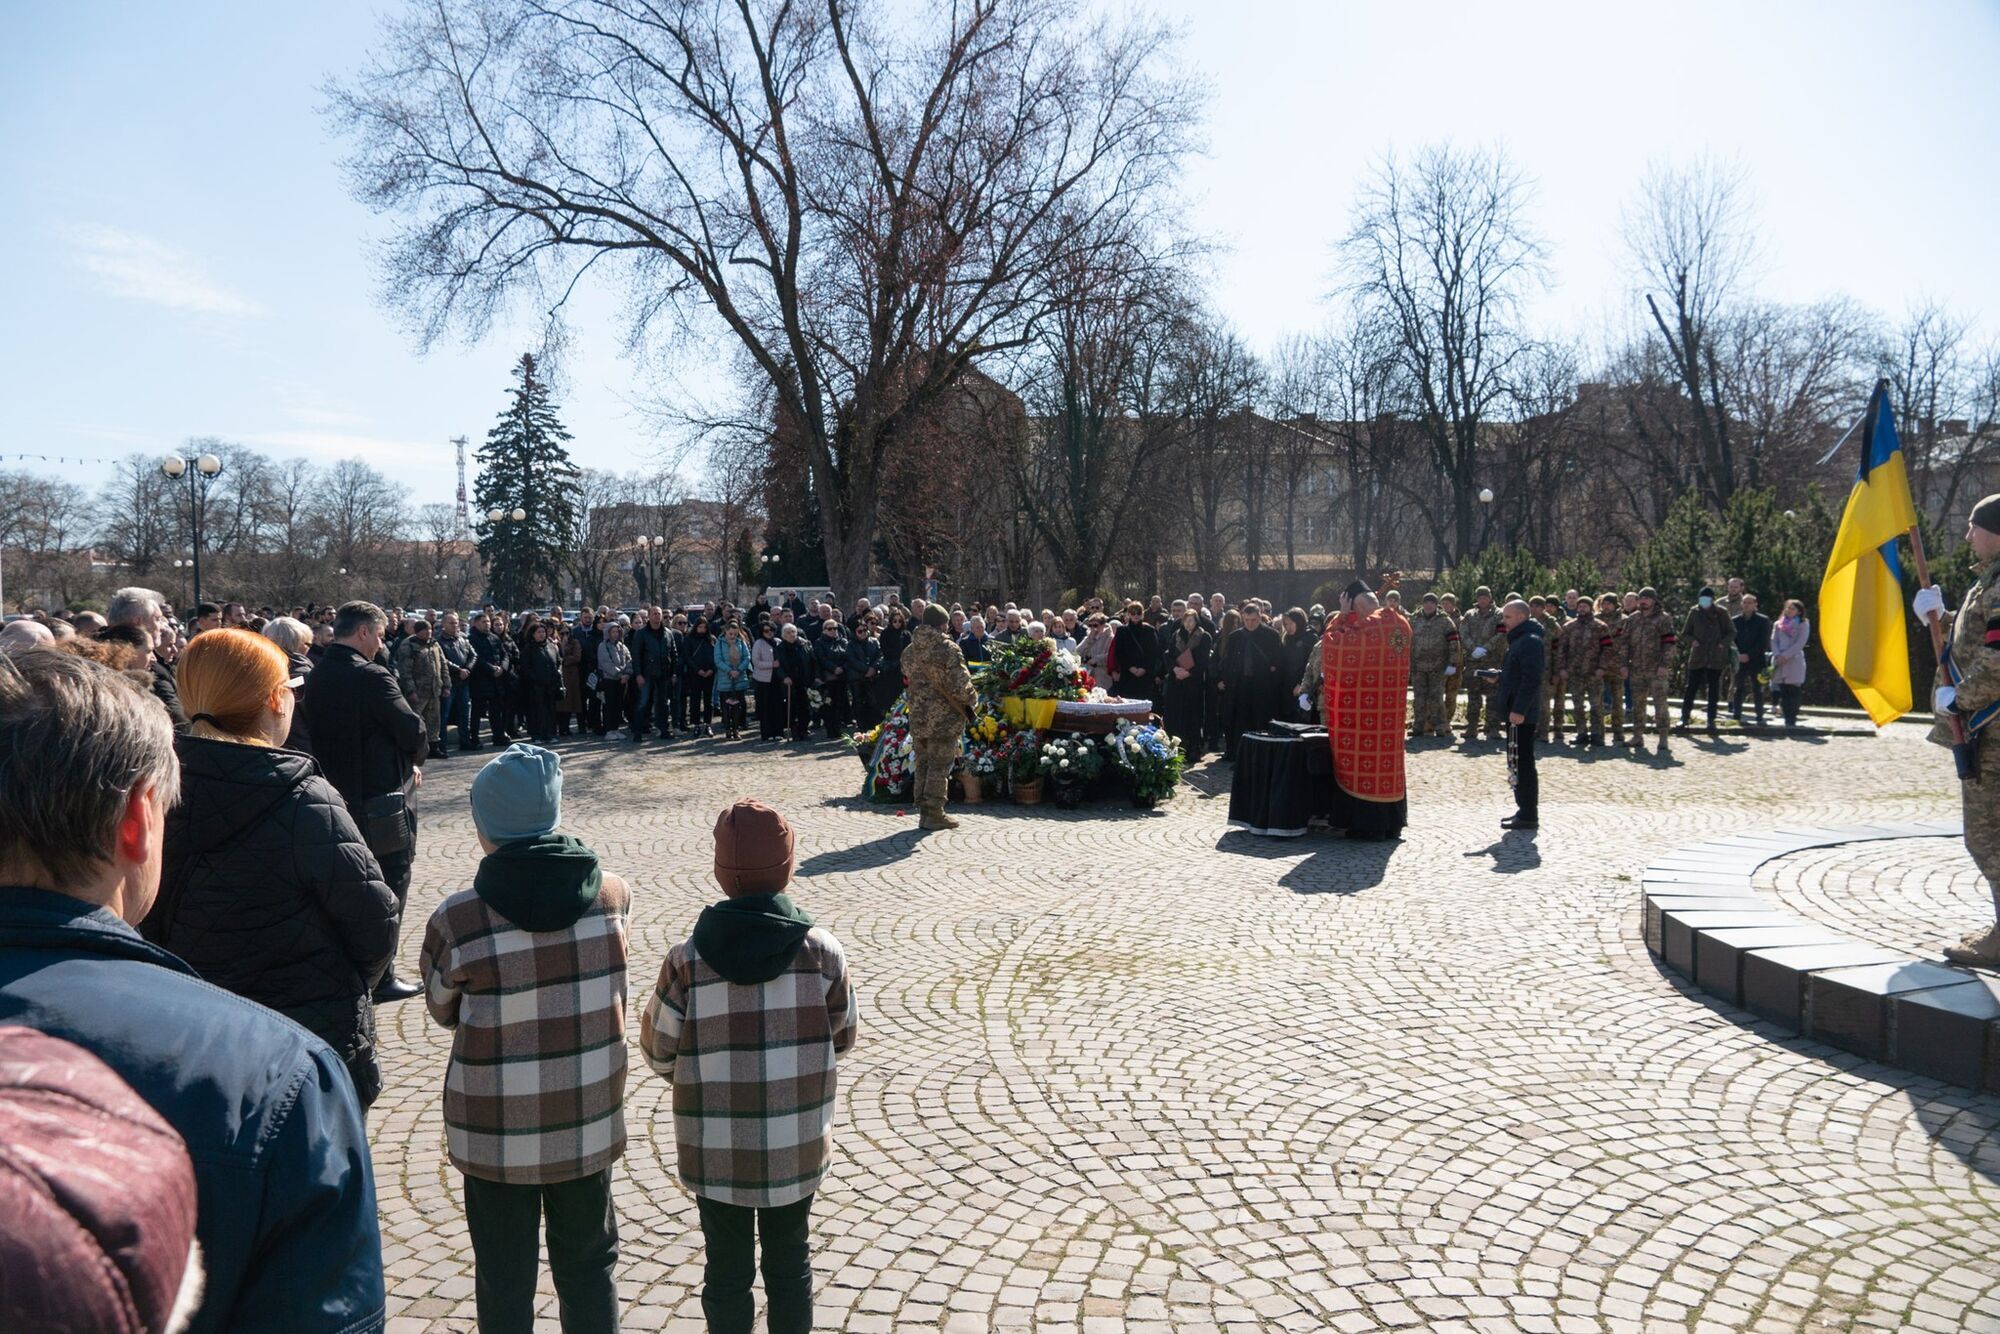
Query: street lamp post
[
  {"x": 180, "y": 579},
  {"x": 496, "y": 516},
  {"x": 200, "y": 473},
  {"x": 652, "y": 553}
]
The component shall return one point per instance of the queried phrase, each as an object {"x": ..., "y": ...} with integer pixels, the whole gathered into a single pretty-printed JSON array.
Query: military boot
[
  {"x": 933, "y": 817},
  {"x": 1979, "y": 949}
]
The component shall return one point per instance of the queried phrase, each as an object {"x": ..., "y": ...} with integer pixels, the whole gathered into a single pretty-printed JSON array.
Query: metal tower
[{"x": 464, "y": 512}]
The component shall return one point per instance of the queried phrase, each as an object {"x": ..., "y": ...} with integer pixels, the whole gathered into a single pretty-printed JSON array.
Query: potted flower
[
  {"x": 1150, "y": 757},
  {"x": 1024, "y": 768},
  {"x": 981, "y": 769},
  {"x": 1068, "y": 764}
]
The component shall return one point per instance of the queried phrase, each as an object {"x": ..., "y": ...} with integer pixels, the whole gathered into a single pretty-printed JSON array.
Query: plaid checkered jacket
[
  {"x": 535, "y": 1091},
  {"x": 753, "y": 1070}
]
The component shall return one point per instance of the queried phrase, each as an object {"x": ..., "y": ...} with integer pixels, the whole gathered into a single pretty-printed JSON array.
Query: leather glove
[
  {"x": 1943, "y": 698},
  {"x": 1927, "y": 601}
]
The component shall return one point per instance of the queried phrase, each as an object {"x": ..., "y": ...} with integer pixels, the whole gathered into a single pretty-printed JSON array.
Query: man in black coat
[
  {"x": 492, "y": 680},
  {"x": 792, "y": 675},
  {"x": 656, "y": 656},
  {"x": 1518, "y": 699},
  {"x": 369, "y": 742},
  {"x": 148, "y": 611},
  {"x": 1753, "y": 648}
]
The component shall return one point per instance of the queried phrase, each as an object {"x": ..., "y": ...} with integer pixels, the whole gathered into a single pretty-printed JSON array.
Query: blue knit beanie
[{"x": 518, "y": 794}]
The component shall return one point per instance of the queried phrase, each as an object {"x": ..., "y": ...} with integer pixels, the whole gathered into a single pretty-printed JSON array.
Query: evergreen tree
[{"x": 524, "y": 465}]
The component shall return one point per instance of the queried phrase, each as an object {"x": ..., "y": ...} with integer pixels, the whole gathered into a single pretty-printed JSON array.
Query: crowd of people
[{"x": 222, "y": 810}]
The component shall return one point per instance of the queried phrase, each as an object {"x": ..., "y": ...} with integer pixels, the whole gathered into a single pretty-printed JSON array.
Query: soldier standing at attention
[
  {"x": 1433, "y": 648},
  {"x": 1581, "y": 654},
  {"x": 1543, "y": 608},
  {"x": 1454, "y": 674},
  {"x": 941, "y": 700},
  {"x": 1485, "y": 644},
  {"x": 1649, "y": 658},
  {"x": 420, "y": 672},
  {"x": 1611, "y": 663},
  {"x": 1968, "y": 692}
]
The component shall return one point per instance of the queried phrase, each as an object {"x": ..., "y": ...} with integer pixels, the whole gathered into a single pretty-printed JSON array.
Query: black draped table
[{"x": 1281, "y": 783}]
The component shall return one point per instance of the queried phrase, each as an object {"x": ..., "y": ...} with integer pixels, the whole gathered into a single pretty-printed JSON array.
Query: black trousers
[
  {"x": 833, "y": 707},
  {"x": 695, "y": 708},
  {"x": 494, "y": 707},
  {"x": 1521, "y": 769},
  {"x": 396, "y": 867},
  {"x": 505, "y": 1222},
  {"x": 1707, "y": 678},
  {"x": 1746, "y": 684},
  {"x": 732, "y": 1262},
  {"x": 1788, "y": 700},
  {"x": 734, "y": 711},
  {"x": 796, "y": 705},
  {"x": 770, "y": 710}
]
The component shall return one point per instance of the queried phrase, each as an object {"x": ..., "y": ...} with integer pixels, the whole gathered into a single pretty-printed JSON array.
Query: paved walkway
[{"x": 1128, "y": 1072}]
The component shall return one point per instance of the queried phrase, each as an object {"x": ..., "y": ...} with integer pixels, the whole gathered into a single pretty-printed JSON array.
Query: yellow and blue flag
[{"x": 1861, "y": 618}]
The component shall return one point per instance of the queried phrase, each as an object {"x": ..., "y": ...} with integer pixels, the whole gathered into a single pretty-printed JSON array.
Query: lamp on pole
[
  {"x": 497, "y": 516},
  {"x": 1486, "y": 524},
  {"x": 200, "y": 473}
]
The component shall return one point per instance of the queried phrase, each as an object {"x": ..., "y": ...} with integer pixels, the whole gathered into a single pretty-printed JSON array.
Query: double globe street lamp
[
  {"x": 652, "y": 551},
  {"x": 200, "y": 473}
]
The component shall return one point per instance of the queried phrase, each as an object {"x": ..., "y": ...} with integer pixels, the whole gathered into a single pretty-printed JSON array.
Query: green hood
[
  {"x": 540, "y": 884},
  {"x": 752, "y": 938}
]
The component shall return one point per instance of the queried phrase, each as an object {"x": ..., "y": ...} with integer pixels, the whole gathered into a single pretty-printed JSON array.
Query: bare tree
[
  {"x": 1441, "y": 252},
  {"x": 1691, "y": 240},
  {"x": 1791, "y": 379},
  {"x": 1930, "y": 380},
  {"x": 1216, "y": 381},
  {"x": 861, "y": 199}
]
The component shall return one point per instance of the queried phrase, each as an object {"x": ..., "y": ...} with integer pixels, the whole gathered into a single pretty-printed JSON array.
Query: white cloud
[{"x": 130, "y": 265}]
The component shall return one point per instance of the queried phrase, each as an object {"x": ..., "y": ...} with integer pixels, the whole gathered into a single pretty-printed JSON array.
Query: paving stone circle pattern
[{"x": 1125, "y": 1071}]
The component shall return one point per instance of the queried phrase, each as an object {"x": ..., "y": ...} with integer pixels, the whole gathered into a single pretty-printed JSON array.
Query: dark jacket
[
  {"x": 1520, "y": 687},
  {"x": 656, "y": 653},
  {"x": 300, "y": 737},
  {"x": 830, "y": 656},
  {"x": 794, "y": 664},
  {"x": 458, "y": 657},
  {"x": 365, "y": 735},
  {"x": 286, "y": 1194},
  {"x": 541, "y": 667},
  {"x": 494, "y": 667},
  {"x": 268, "y": 891},
  {"x": 1753, "y": 636},
  {"x": 1136, "y": 646},
  {"x": 697, "y": 656},
  {"x": 165, "y": 691},
  {"x": 863, "y": 656},
  {"x": 973, "y": 647},
  {"x": 893, "y": 642}
]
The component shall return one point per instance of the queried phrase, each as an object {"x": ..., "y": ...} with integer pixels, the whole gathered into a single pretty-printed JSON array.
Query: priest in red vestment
[{"x": 1365, "y": 661}]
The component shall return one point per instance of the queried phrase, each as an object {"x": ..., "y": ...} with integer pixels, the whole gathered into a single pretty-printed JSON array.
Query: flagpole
[{"x": 1936, "y": 623}]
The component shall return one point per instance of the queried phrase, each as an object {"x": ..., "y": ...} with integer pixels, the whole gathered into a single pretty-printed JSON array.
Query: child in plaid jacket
[
  {"x": 750, "y": 1016},
  {"x": 527, "y": 968}
]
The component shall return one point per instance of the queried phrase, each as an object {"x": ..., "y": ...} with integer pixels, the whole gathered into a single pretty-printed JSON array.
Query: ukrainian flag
[{"x": 1861, "y": 598}]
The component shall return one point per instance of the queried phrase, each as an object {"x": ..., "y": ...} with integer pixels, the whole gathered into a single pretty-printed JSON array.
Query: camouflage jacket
[
  {"x": 1611, "y": 650},
  {"x": 1481, "y": 629},
  {"x": 1649, "y": 644},
  {"x": 1974, "y": 635},
  {"x": 420, "y": 668},
  {"x": 941, "y": 694},
  {"x": 1580, "y": 651},
  {"x": 1433, "y": 642},
  {"x": 1710, "y": 639}
]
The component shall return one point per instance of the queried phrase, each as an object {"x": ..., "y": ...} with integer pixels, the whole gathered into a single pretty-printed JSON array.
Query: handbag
[{"x": 386, "y": 824}]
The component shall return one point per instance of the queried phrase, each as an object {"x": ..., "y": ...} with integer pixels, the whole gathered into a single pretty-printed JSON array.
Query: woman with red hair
[{"x": 266, "y": 887}]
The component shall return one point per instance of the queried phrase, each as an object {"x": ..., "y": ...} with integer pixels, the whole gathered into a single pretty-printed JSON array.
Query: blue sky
[{"x": 181, "y": 258}]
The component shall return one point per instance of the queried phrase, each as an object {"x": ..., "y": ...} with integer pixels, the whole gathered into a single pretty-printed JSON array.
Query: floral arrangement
[
  {"x": 864, "y": 744},
  {"x": 892, "y": 767},
  {"x": 1024, "y": 751},
  {"x": 1070, "y": 759},
  {"x": 1034, "y": 669},
  {"x": 985, "y": 762},
  {"x": 1151, "y": 756}
]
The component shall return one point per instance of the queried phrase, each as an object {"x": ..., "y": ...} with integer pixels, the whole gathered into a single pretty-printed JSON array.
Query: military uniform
[
  {"x": 420, "y": 672},
  {"x": 1433, "y": 647},
  {"x": 1476, "y": 630},
  {"x": 1611, "y": 670},
  {"x": 940, "y": 699},
  {"x": 1649, "y": 659},
  {"x": 1974, "y": 634},
  {"x": 1552, "y": 678},
  {"x": 1582, "y": 655}
]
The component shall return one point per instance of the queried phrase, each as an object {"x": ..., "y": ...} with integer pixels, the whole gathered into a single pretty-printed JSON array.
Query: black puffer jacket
[{"x": 268, "y": 891}]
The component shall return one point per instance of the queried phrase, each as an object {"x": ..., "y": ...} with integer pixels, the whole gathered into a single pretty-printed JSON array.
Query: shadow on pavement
[
  {"x": 1514, "y": 853},
  {"x": 1337, "y": 864},
  {"x": 872, "y": 855}
]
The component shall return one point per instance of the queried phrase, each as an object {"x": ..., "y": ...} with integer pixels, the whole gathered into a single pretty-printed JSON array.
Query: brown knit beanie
[{"x": 753, "y": 849}]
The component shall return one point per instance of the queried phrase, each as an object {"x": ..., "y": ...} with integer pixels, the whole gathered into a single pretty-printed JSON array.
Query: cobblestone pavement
[
  {"x": 1124, "y": 1071},
  {"x": 1913, "y": 894}
]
